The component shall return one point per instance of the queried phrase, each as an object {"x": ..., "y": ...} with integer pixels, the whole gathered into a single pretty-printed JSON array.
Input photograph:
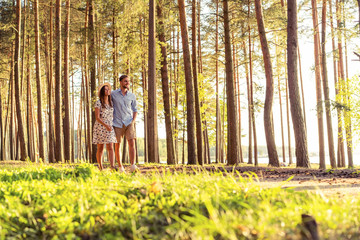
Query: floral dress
[{"x": 100, "y": 134}]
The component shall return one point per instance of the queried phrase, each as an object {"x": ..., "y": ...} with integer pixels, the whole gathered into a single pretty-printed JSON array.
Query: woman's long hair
[{"x": 102, "y": 96}]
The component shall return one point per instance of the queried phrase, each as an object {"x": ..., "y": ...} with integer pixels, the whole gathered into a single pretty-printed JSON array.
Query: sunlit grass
[{"x": 43, "y": 202}]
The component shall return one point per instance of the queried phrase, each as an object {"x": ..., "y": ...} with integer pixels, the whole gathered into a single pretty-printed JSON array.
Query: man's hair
[{"x": 122, "y": 77}]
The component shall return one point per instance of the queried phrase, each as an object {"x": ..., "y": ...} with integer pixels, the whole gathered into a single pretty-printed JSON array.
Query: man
[{"x": 125, "y": 113}]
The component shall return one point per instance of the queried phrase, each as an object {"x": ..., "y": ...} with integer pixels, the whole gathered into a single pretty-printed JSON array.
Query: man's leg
[
  {"x": 119, "y": 135},
  {"x": 131, "y": 144}
]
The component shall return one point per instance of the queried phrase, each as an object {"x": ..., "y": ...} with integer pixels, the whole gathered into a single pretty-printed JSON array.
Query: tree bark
[
  {"x": 269, "y": 130},
  {"x": 66, "y": 102},
  {"x": 319, "y": 103},
  {"x": 218, "y": 118},
  {"x": 48, "y": 59},
  {"x": 302, "y": 157},
  {"x": 326, "y": 90},
  {"x": 38, "y": 81},
  {"x": 152, "y": 108},
  {"x": 199, "y": 138},
  {"x": 192, "y": 155},
  {"x": 17, "y": 83},
  {"x": 58, "y": 126},
  {"x": 302, "y": 87},
  {"x": 341, "y": 76},
  {"x": 232, "y": 119},
  {"x": 165, "y": 88},
  {"x": 92, "y": 66}
]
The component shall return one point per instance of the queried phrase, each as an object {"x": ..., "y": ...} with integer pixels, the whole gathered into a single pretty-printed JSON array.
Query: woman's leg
[
  {"x": 99, "y": 153},
  {"x": 110, "y": 150}
]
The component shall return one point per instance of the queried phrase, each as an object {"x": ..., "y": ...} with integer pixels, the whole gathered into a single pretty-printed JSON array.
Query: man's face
[{"x": 125, "y": 83}]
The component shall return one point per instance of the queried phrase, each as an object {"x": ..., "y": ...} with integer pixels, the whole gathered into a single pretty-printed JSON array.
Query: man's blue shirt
[{"x": 124, "y": 107}]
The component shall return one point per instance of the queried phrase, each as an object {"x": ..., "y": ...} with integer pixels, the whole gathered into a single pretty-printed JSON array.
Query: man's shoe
[{"x": 134, "y": 168}]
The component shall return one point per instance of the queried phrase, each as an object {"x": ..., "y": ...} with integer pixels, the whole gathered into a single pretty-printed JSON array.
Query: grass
[{"x": 45, "y": 202}]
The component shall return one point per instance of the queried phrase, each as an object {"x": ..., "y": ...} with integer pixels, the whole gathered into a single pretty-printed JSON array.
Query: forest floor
[{"x": 338, "y": 182}]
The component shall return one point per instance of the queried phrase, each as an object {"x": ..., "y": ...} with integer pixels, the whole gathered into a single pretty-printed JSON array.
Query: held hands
[{"x": 108, "y": 128}]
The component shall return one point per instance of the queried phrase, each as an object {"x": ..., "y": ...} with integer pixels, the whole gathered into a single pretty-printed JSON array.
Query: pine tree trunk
[
  {"x": 282, "y": 122},
  {"x": 302, "y": 87},
  {"x": 233, "y": 137},
  {"x": 92, "y": 67},
  {"x": 269, "y": 130},
  {"x": 177, "y": 70},
  {"x": 348, "y": 127},
  {"x": 301, "y": 151},
  {"x": 288, "y": 122},
  {"x": 87, "y": 102},
  {"x": 319, "y": 103},
  {"x": 25, "y": 17},
  {"x": 144, "y": 86},
  {"x": 326, "y": 90},
  {"x": 152, "y": 108},
  {"x": 339, "y": 157},
  {"x": 218, "y": 124},
  {"x": 341, "y": 76},
  {"x": 249, "y": 106},
  {"x": 252, "y": 93},
  {"x": 17, "y": 83},
  {"x": 199, "y": 138},
  {"x": 58, "y": 126},
  {"x": 165, "y": 88},
  {"x": 38, "y": 81},
  {"x": 29, "y": 107},
  {"x": 48, "y": 59},
  {"x": 114, "y": 46},
  {"x": 192, "y": 155},
  {"x": 237, "y": 92},
  {"x": 66, "y": 102}
]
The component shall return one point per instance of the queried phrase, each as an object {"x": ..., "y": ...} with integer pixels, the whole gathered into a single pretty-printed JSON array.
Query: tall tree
[
  {"x": 326, "y": 89},
  {"x": 218, "y": 118},
  {"x": 58, "y": 126},
  {"x": 152, "y": 110},
  {"x": 269, "y": 127},
  {"x": 191, "y": 143},
  {"x": 17, "y": 82},
  {"x": 341, "y": 76},
  {"x": 199, "y": 139},
  {"x": 92, "y": 68},
  {"x": 49, "y": 75},
  {"x": 319, "y": 102},
  {"x": 233, "y": 137},
  {"x": 66, "y": 104},
  {"x": 165, "y": 87},
  {"x": 38, "y": 80},
  {"x": 302, "y": 157}
]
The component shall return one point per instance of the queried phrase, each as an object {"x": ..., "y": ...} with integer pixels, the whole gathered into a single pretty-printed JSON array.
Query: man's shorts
[{"x": 128, "y": 131}]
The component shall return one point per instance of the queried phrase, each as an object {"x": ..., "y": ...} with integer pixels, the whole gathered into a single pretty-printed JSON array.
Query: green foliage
[
  {"x": 40, "y": 202},
  {"x": 348, "y": 101}
]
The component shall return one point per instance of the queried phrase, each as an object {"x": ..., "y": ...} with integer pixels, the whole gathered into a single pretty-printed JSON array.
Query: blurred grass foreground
[{"x": 80, "y": 202}]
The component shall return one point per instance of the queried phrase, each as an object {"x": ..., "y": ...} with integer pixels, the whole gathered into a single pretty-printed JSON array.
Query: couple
[{"x": 115, "y": 114}]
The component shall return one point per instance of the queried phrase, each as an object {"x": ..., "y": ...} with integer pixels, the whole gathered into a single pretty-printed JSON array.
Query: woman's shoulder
[{"x": 97, "y": 104}]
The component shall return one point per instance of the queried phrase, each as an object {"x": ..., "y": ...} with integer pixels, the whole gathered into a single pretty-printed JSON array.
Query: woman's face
[{"x": 107, "y": 91}]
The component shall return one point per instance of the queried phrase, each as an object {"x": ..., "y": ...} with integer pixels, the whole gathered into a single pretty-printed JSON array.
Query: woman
[{"x": 103, "y": 132}]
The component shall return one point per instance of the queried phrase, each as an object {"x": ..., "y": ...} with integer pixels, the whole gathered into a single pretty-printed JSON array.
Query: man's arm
[
  {"x": 134, "y": 109},
  {"x": 134, "y": 117}
]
